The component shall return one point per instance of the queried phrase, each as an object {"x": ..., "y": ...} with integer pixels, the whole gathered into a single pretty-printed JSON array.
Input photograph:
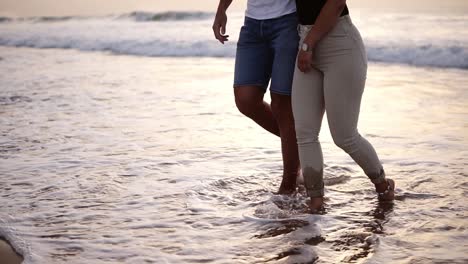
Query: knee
[
  {"x": 281, "y": 107},
  {"x": 276, "y": 106},
  {"x": 307, "y": 130},
  {"x": 247, "y": 105},
  {"x": 306, "y": 139},
  {"x": 348, "y": 143}
]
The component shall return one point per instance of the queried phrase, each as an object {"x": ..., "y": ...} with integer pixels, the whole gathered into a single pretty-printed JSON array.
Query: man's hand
[
  {"x": 219, "y": 26},
  {"x": 304, "y": 61}
]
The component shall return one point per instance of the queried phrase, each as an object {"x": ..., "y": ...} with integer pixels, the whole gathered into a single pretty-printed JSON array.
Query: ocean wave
[
  {"x": 167, "y": 16},
  {"x": 10, "y": 234},
  {"x": 138, "y": 16},
  {"x": 50, "y": 18},
  {"x": 429, "y": 55},
  {"x": 42, "y": 19},
  {"x": 5, "y": 19},
  {"x": 190, "y": 36},
  {"x": 152, "y": 48}
]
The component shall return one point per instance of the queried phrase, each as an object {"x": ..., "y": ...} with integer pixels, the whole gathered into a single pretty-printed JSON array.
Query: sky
[{"x": 104, "y": 7}]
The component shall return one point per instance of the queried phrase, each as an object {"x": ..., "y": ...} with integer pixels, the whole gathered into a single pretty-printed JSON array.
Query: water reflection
[{"x": 157, "y": 176}]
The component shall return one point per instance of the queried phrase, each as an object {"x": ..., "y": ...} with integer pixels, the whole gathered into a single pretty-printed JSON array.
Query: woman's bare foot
[
  {"x": 386, "y": 190},
  {"x": 316, "y": 205}
]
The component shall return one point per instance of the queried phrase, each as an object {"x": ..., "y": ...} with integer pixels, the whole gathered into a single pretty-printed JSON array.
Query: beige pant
[{"x": 335, "y": 85}]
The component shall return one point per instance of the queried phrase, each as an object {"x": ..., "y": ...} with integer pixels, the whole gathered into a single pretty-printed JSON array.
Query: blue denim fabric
[{"x": 267, "y": 49}]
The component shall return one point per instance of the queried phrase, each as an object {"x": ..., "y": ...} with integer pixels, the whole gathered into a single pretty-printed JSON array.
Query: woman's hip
[{"x": 339, "y": 44}]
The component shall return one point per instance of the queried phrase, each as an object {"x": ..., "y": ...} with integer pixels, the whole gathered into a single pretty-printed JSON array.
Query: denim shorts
[{"x": 267, "y": 49}]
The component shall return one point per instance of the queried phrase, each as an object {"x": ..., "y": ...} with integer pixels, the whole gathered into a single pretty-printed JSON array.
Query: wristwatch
[{"x": 305, "y": 47}]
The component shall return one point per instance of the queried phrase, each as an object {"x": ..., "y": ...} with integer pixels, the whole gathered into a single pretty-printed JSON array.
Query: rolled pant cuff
[
  {"x": 315, "y": 193},
  {"x": 377, "y": 178}
]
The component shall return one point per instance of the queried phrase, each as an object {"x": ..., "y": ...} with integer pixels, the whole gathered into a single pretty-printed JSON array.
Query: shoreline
[{"x": 8, "y": 254}]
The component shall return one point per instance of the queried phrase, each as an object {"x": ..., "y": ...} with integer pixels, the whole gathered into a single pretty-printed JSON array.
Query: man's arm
[{"x": 220, "y": 21}]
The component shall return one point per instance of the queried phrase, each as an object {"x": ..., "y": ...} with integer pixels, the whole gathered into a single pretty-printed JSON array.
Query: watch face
[{"x": 304, "y": 46}]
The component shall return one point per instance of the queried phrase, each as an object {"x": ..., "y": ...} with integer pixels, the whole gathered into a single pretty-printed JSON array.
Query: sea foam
[{"x": 188, "y": 34}]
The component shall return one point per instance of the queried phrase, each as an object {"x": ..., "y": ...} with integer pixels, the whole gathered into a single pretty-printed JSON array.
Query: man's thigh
[
  {"x": 285, "y": 44},
  {"x": 254, "y": 57}
]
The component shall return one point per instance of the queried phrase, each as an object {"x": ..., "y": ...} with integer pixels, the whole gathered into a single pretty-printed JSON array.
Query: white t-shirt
[{"x": 266, "y": 9}]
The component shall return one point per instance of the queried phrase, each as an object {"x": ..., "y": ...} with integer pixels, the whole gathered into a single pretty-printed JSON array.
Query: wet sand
[{"x": 7, "y": 254}]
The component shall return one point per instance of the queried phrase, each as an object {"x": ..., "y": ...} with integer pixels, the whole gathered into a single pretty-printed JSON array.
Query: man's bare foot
[
  {"x": 386, "y": 190},
  {"x": 316, "y": 205},
  {"x": 286, "y": 188},
  {"x": 289, "y": 183}
]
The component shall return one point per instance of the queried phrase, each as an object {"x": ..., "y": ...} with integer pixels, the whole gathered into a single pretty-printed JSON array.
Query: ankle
[
  {"x": 315, "y": 205},
  {"x": 381, "y": 187},
  {"x": 316, "y": 202},
  {"x": 289, "y": 179},
  {"x": 287, "y": 187}
]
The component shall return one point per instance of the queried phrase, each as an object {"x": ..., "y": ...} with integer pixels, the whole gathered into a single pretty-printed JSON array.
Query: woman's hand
[{"x": 304, "y": 61}]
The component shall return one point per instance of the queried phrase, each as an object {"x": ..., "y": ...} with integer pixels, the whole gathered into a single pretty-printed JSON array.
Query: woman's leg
[
  {"x": 343, "y": 100},
  {"x": 308, "y": 110},
  {"x": 344, "y": 83}
]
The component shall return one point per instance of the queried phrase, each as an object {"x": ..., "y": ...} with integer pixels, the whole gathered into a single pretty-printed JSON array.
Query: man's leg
[
  {"x": 282, "y": 111},
  {"x": 249, "y": 101},
  {"x": 253, "y": 69},
  {"x": 283, "y": 41},
  {"x": 277, "y": 119}
]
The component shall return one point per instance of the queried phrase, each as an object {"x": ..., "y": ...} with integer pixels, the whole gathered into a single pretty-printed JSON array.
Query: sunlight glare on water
[{"x": 109, "y": 159}]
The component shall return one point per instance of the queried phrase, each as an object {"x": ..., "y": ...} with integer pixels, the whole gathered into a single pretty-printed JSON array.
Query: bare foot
[
  {"x": 316, "y": 205},
  {"x": 288, "y": 184},
  {"x": 386, "y": 190},
  {"x": 286, "y": 188}
]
